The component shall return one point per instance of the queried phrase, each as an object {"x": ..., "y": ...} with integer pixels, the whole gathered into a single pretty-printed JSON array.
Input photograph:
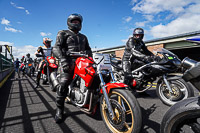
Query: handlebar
[{"x": 77, "y": 54}]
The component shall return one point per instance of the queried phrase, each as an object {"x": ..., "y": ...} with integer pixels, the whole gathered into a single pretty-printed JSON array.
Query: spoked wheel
[
  {"x": 183, "y": 117},
  {"x": 181, "y": 90},
  {"x": 127, "y": 113}
]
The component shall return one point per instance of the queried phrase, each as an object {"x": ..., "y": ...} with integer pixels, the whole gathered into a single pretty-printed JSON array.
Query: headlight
[{"x": 52, "y": 61}]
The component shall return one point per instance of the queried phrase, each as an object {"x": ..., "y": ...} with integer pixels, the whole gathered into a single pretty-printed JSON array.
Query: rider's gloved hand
[
  {"x": 40, "y": 50},
  {"x": 64, "y": 65}
]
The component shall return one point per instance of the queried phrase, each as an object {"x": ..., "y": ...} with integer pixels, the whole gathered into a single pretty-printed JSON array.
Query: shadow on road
[
  {"x": 68, "y": 113},
  {"x": 147, "y": 123}
]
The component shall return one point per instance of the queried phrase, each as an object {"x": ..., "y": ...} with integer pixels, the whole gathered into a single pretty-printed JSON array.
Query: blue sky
[{"x": 106, "y": 23}]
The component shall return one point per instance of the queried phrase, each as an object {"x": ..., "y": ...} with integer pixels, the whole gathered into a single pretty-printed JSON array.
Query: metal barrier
[{"x": 6, "y": 65}]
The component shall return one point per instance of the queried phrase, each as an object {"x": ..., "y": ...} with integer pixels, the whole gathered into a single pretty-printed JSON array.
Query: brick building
[{"x": 176, "y": 44}]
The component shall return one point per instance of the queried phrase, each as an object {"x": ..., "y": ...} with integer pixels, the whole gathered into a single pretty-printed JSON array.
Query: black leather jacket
[
  {"x": 135, "y": 50},
  {"x": 68, "y": 41}
]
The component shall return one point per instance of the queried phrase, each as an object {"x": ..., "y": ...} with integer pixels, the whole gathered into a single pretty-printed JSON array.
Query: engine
[{"x": 79, "y": 93}]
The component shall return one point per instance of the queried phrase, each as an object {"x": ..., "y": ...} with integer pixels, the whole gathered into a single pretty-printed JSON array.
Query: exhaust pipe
[
  {"x": 53, "y": 79},
  {"x": 188, "y": 63}
]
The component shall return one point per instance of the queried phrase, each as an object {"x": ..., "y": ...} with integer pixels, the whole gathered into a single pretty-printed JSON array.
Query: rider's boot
[
  {"x": 59, "y": 115},
  {"x": 127, "y": 78},
  {"x": 60, "y": 99}
]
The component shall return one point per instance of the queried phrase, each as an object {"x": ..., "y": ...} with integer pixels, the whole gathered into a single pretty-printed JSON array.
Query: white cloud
[
  {"x": 127, "y": 19},
  {"x": 157, "y": 6},
  {"x": 12, "y": 29},
  {"x": 18, "y": 52},
  {"x": 175, "y": 16},
  {"x": 18, "y": 7},
  {"x": 149, "y": 17},
  {"x": 180, "y": 25},
  {"x": 141, "y": 24},
  {"x": 5, "y": 21},
  {"x": 27, "y": 12},
  {"x": 187, "y": 22},
  {"x": 45, "y": 34}
]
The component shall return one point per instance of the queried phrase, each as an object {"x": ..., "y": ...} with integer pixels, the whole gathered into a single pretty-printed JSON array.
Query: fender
[
  {"x": 171, "y": 76},
  {"x": 111, "y": 85},
  {"x": 174, "y": 76}
]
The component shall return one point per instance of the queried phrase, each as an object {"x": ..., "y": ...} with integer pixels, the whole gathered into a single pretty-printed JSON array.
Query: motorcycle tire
[
  {"x": 181, "y": 90},
  {"x": 29, "y": 72},
  {"x": 182, "y": 117},
  {"x": 128, "y": 117}
]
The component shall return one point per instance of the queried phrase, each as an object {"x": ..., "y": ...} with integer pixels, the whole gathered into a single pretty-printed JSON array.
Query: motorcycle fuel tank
[{"x": 84, "y": 68}]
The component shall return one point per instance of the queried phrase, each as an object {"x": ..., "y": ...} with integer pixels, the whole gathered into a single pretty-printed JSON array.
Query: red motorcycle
[
  {"x": 49, "y": 67},
  {"x": 22, "y": 68},
  {"x": 93, "y": 82}
]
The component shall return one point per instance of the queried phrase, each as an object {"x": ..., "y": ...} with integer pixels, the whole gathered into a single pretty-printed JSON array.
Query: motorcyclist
[
  {"x": 16, "y": 64},
  {"x": 28, "y": 60},
  {"x": 68, "y": 41},
  {"x": 22, "y": 59},
  {"x": 22, "y": 63},
  {"x": 135, "y": 53},
  {"x": 43, "y": 51}
]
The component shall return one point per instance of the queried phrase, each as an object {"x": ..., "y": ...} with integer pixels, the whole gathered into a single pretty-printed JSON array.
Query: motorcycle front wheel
[
  {"x": 127, "y": 112},
  {"x": 181, "y": 90},
  {"x": 29, "y": 72},
  {"x": 183, "y": 117}
]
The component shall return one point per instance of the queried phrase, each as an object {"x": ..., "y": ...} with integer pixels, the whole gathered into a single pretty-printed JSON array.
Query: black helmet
[
  {"x": 74, "y": 26},
  {"x": 138, "y": 31},
  {"x": 28, "y": 55}
]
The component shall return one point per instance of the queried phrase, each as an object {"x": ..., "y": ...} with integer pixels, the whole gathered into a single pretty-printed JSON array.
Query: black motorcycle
[
  {"x": 170, "y": 88},
  {"x": 185, "y": 115}
]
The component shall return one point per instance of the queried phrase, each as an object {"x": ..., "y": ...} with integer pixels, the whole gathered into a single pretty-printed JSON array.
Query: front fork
[
  {"x": 111, "y": 113},
  {"x": 166, "y": 82}
]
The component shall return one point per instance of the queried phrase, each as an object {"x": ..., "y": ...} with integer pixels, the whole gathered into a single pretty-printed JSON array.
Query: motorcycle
[
  {"x": 29, "y": 69},
  {"x": 170, "y": 88},
  {"x": 49, "y": 68},
  {"x": 93, "y": 82},
  {"x": 22, "y": 69},
  {"x": 185, "y": 115}
]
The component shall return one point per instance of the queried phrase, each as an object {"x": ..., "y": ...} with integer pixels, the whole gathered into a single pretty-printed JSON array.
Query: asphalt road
[{"x": 26, "y": 109}]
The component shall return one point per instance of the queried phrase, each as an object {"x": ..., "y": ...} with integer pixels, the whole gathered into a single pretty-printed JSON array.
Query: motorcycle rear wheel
[
  {"x": 128, "y": 117},
  {"x": 181, "y": 90},
  {"x": 182, "y": 117}
]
